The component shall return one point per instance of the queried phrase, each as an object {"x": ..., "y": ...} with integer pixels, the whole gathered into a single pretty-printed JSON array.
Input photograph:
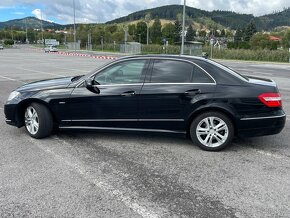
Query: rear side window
[
  {"x": 168, "y": 71},
  {"x": 199, "y": 76}
]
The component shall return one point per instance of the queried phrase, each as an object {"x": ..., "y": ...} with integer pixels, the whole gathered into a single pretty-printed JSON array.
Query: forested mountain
[
  {"x": 225, "y": 18},
  {"x": 31, "y": 22}
]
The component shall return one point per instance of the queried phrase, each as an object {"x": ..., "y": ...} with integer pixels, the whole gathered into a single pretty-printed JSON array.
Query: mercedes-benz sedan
[{"x": 201, "y": 98}]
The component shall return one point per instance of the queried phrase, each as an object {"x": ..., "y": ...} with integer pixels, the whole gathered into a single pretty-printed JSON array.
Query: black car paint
[{"x": 162, "y": 106}]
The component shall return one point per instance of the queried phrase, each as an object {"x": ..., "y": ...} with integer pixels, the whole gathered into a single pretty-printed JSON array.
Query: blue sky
[{"x": 61, "y": 11}]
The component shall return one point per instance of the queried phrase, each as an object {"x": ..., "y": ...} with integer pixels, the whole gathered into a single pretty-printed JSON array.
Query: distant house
[{"x": 274, "y": 38}]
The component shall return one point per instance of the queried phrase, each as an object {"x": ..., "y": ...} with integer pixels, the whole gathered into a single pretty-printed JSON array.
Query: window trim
[
  {"x": 179, "y": 60},
  {"x": 149, "y": 60},
  {"x": 142, "y": 75}
]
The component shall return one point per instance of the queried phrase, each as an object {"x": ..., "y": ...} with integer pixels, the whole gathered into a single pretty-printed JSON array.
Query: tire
[
  {"x": 203, "y": 131},
  {"x": 38, "y": 121}
]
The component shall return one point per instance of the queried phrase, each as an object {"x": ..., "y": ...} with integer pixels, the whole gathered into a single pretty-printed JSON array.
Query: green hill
[
  {"x": 228, "y": 19},
  {"x": 32, "y": 22}
]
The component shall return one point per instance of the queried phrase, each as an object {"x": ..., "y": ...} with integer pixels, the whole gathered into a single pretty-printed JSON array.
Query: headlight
[{"x": 13, "y": 95}]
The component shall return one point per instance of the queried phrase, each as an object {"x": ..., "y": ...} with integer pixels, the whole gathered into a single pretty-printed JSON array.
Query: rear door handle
[
  {"x": 128, "y": 93},
  {"x": 192, "y": 92}
]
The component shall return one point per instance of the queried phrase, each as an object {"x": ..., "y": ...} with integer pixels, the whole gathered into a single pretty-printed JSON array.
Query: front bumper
[
  {"x": 260, "y": 126},
  {"x": 10, "y": 111}
]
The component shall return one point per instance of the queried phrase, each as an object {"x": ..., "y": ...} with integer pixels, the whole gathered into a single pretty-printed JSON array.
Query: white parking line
[
  {"x": 37, "y": 71},
  {"x": 11, "y": 79},
  {"x": 269, "y": 154},
  {"x": 104, "y": 186},
  {"x": 288, "y": 117}
]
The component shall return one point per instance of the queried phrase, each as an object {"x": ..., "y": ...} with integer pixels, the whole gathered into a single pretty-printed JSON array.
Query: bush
[
  {"x": 239, "y": 45},
  {"x": 8, "y": 42},
  {"x": 250, "y": 55}
]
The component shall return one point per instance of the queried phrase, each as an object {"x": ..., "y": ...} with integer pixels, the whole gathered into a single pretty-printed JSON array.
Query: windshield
[{"x": 229, "y": 70}]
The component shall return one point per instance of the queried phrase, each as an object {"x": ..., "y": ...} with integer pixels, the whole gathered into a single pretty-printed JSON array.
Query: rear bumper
[{"x": 260, "y": 126}]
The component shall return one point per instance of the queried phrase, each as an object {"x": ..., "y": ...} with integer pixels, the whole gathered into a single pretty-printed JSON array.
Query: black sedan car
[{"x": 201, "y": 98}]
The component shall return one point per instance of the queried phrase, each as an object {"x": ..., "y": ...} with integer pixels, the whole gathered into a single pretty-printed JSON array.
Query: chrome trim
[
  {"x": 161, "y": 120},
  {"x": 148, "y": 58},
  {"x": 8, "y": 120},
  {"x": 126, "y": 129},
  {"x": 125, "y": 120},
  {"x": 146, "y": 84},
  {"x": 132, "y": 84},
  {"x": 258, "y": 118}
]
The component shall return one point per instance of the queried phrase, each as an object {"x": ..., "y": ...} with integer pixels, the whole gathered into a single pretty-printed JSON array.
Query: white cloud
[
  {"x": 37, "y": 13},
  {"x": 19, "y": 13}
]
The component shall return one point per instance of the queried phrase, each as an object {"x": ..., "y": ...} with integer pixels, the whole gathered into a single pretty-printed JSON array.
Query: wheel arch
[
  {"x": 224, "y": 110},
  {"x": 19, "y": 115}
]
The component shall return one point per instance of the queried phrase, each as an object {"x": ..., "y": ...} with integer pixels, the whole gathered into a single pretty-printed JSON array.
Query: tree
[
  {"x": 132, "y": 31},
  {"x": 141, "y": 31},
  {"x": 223, "y": 33},
  {"x": 156, "y": 31},
  {"x": 263, "y": 41},
  {"x": 177, "y": 31},
  {"x": 238, "y": 36},
  {"x": 250, "y": 30},
  {"x": 168, "y": 32},
  {"x": 191, "y": 33},
  {"x": 286, "y": 39}
]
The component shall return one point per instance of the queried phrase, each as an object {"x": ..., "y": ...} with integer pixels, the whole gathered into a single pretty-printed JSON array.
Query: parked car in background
[
  {"x": 159, "y": 93},
  {"x": 50, "y": 49},
  {"x": 1, "y": 47}
]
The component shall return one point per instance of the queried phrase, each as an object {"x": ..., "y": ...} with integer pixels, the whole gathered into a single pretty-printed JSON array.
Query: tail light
[{"x": 271, "y": 99}]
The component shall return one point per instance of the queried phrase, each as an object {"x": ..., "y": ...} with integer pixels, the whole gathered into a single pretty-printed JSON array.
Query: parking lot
[{"x": 110, "y": 174}]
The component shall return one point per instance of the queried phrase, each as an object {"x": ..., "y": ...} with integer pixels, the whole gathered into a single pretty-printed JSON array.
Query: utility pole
[
  {"x": 42, "y": 29},
  {"x": 75, "y": 40},
  {"x": 26, "y": 31},
  {"x": 183, "y": 29},
  {"x": 12, "y": 33},
  {"x": 147, "y": 20}
]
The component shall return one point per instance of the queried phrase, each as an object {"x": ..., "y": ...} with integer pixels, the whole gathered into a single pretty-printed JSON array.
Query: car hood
[{"x": 47, "y": 84}]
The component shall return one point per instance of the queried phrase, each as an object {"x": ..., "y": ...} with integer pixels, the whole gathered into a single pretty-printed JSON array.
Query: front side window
[
  {"x": 170, "y": 71},
  {"x": 128, "y": 72}
]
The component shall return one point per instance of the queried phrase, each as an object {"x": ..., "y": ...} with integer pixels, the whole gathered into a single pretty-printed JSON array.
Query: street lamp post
[
  {"x": 74, "y": 25},
  {"x": 43, "y": 42},
  {"x": 183, "y": 29}
]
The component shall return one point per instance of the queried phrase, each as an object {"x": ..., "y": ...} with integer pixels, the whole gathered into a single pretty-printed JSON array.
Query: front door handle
[
  {"x": 192, "y": 92},
  {"x": 128, "y": 93}
]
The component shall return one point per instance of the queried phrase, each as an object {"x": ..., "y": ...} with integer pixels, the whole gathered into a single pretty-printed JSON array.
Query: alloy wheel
[
  {"x": 31, "y": 120},
  {"x": 212, "y": 132}
]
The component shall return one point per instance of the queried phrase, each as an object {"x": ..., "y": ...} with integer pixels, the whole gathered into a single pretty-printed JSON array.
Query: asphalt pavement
[{"x": 113, "y": 174}]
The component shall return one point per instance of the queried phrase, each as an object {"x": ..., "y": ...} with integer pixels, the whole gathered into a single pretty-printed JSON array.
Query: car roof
[{"x": 181, "y": 57}]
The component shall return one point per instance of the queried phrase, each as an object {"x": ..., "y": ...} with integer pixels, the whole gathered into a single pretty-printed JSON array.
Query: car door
[
  {"x": 116, "y": 104},
  {"x": 171, "y": 93}
]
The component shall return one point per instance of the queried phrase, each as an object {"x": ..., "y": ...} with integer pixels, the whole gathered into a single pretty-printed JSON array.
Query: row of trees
[{"x": 245, "y": 38}]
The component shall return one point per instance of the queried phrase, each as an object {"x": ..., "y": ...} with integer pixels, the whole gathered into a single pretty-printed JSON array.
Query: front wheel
[
  {"x": 38, "y": 121},
  {"x": 212, "y": 131}
]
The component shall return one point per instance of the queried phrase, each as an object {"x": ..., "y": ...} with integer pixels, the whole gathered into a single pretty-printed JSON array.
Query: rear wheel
[
  {"x": 212, "y": 131},
  {"x": 38, "y": 121}
]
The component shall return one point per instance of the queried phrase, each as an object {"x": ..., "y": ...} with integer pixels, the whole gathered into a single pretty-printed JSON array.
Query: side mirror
[{"x": 89, "y": 83}]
